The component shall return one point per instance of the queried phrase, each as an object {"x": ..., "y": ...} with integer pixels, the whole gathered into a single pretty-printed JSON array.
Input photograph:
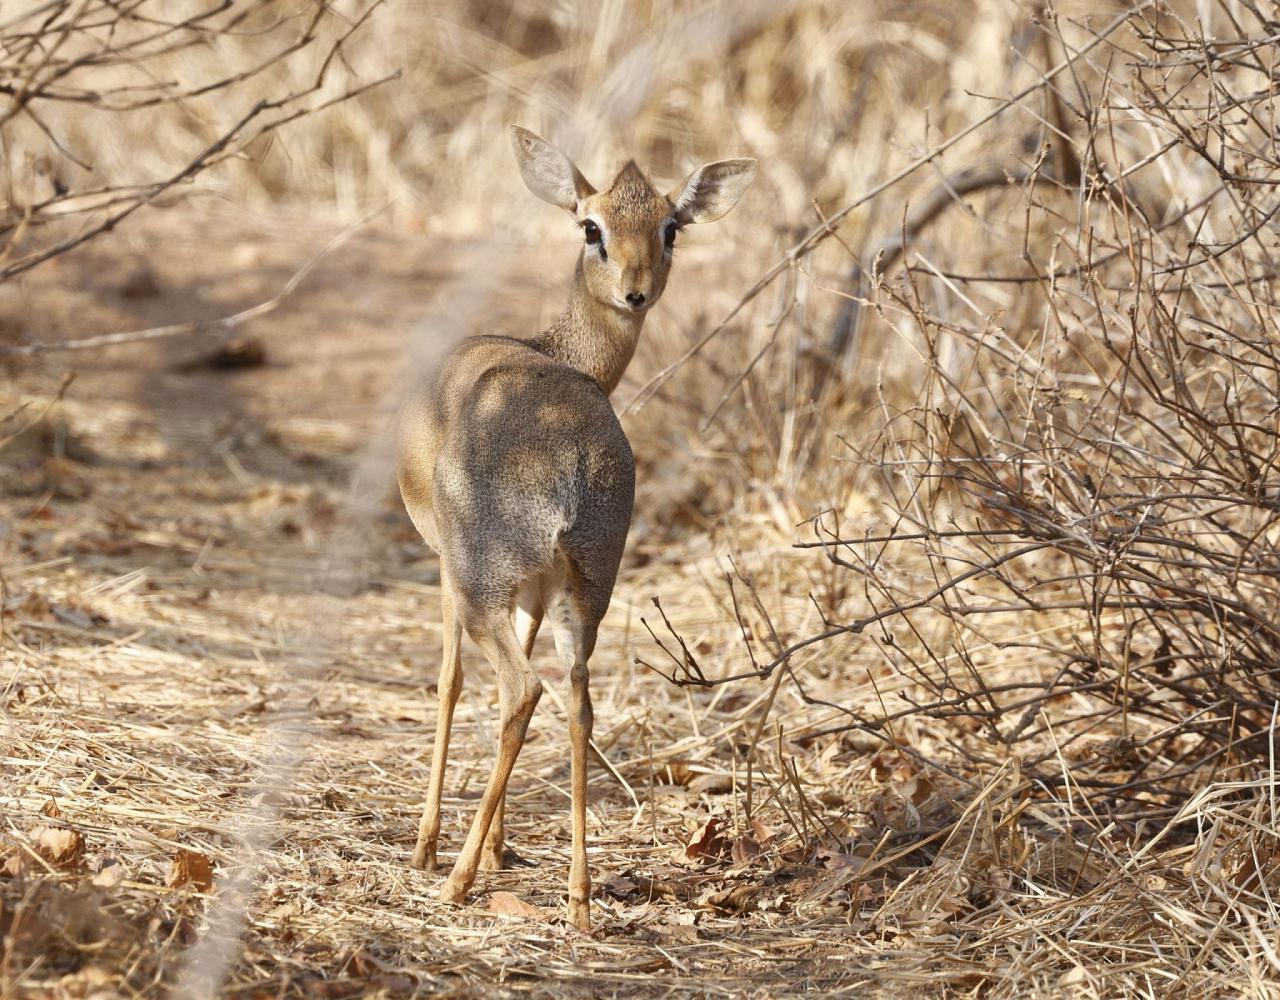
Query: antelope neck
[{"x": 592, "y": 337}]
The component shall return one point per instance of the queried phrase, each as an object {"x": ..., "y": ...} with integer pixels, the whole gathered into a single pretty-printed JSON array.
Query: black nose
[{"x": 635, "y": 299}]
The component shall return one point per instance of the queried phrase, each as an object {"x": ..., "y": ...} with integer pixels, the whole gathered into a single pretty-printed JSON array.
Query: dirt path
[{"x": 168, "y": 538}]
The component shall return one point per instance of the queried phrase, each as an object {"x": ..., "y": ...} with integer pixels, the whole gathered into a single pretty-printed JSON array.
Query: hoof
[
  {"x": 580, "y": 915},
  {"x": 424, "y": 859},
  {"x": 490, "y": 861},
  {"x": 451, "y": 892}
]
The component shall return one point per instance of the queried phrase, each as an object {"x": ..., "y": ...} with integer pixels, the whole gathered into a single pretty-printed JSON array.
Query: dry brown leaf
[
  {"x": 182, "y": 930},
  {"x": 736, "y": 899},
  {"x": 1075, "y": 976},
  {"x": 953, "y": 903},
  {"x": 110, "y": 874},
  {"x": 837, "y": 861},
  {"x": 711, "y": 784},
  {"x": 680, "y": 934},
  {"x": 920, "y": 790},
  {"x": 365, "y": 964},
  {"x": 706, "y": 844},
  {"x": 191, "y": 868},
  {"x": 670, "y": 884},
  {"x": 61, "y": 848},
  {"x": 745, "y": 849},
  {"x": 14, "y": 864},
  {"x": 511, "y": 905},
  {"x": 765, "y": 834},
  {"x": 621, "y": 888},
  {"x": 827, "y": 755}
]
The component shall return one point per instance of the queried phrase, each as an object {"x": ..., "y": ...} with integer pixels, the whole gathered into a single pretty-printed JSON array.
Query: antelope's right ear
[{"x": 547, "y": 172}]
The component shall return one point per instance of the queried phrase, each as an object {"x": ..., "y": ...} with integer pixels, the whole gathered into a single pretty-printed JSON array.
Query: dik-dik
[{"x": 515, "y": 469}]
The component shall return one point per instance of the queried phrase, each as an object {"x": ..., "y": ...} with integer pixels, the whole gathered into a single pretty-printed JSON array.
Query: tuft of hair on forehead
[{"x": 632, "y": 192}]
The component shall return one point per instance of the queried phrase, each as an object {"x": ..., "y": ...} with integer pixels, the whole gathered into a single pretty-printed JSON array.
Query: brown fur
[{"x": 515, "y": 469}]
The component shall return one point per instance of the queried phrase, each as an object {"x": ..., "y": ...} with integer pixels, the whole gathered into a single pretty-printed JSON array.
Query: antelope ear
[
  {"x": 547, "y": 172},
  {"x": 712, "y": 190}
]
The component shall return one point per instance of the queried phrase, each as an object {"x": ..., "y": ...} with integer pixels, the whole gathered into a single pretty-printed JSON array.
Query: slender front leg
[
  {"x": 518, "y": 692},
  {"x": 448, "y": 687},
  {"x": 580, "y": 718}
]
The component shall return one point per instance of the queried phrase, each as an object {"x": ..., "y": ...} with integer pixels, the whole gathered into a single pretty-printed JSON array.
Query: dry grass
[{"x": 1026, "y": 747}]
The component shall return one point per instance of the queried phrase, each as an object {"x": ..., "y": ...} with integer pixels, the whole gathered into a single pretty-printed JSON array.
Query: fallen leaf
[
  {"x": 365, "y": 964},
  {"x": 182, "y": 930},
  {"x": 1075, "y": 976},
  {"x": 110, "y": 873},
  {"x": 285, "y": 911},
  {"x": 765, "y": 835},
  {"x": 191, "y": 868},
  {"x": 918, "y": 789},
  {"x": 745, "y": 849},
  {"x": 635, "y": 886},
  {"x": 797, "y": 853},
  {"x": 621, "y": 888},
  {"x": 511, "y": 905},
  {"x": 14, "y": 865},
  {"x": 736, "y": 899},
  {"x": 837, "y": 861},
  {"x": 61, "y": 848},
  {"x": 680, "y": 934},
  {"x": 706, "y": 842},
  {"x": 711, "y": 784}
]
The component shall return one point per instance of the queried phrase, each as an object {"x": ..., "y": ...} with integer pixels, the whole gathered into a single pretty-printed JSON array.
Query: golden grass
[{"x": 214, "y": 643}]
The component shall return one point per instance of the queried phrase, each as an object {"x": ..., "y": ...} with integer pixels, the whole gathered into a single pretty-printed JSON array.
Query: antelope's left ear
[{"x": 712, "y": 190}]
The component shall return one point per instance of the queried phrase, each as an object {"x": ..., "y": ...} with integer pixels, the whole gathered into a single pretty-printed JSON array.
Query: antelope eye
[
  {"x": 592, "y": 232},
  {"x": 669, "y": 234}
]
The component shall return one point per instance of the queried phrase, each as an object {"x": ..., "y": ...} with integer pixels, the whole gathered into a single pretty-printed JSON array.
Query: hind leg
[
  {"x": 448, "y": 687},
  {"x": 528, "y": 618},
  {"x": 575, "y": 633},
  {"x": 518, "y": 692}
]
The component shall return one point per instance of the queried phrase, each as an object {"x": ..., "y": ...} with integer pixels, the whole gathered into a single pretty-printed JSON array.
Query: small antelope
[{"x": 516, "y": 471}]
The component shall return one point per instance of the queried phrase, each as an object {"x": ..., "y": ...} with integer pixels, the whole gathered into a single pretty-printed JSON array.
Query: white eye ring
[{"x": 594, "y": 236}]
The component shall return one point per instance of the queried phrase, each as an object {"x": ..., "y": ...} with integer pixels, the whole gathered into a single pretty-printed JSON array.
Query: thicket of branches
[
  {"x": 215, "y": 80},
  {"x": 1084, "y": 558}
]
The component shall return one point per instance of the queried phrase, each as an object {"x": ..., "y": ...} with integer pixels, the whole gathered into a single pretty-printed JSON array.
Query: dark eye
[
  {"x": 669, "y": 234},
  {"x": 592, "y": 232}
]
